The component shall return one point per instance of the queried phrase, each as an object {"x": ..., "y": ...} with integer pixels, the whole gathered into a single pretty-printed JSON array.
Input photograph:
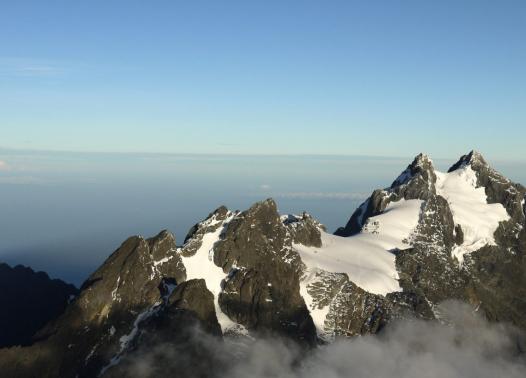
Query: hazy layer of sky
[
  {"x": 382, "y": 78},
  {"x": 66, "y": 212}
]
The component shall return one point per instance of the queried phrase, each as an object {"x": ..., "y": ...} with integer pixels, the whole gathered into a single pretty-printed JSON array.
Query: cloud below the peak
[{"x": 467, "y": 347}]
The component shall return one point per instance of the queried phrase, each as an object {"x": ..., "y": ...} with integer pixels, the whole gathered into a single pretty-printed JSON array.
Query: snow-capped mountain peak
[{"x": 428, "y": 237}]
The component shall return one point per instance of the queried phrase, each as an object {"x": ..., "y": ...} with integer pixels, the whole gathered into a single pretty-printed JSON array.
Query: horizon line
[{"x": 8, "y": 150}]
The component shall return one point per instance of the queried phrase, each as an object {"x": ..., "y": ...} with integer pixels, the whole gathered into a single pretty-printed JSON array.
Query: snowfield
[
  {"x": 367, "y": 257},
  {"x": 201, "y": 265},
  {"x": 318, "y": 314},
  {"x": 469, "y": 205}
]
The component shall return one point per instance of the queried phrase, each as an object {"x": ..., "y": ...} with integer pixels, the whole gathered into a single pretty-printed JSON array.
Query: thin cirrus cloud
[
  {"x": 37, "y": 70},
  {"x": 28, "y": 67},
  {"x": 322, "y": 195},
  {"x": 22, "y": 180},
  {"x": 4, "y": 166},
  {"x": 10, "y": 176},
  {"x": 313, "y": 195}
]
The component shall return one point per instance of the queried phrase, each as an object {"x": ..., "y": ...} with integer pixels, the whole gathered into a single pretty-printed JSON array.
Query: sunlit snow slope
[
  {"x": 201, "y": 265},
  {"x": 478, "y": 219},
  {"x": 368, "y": 257}
]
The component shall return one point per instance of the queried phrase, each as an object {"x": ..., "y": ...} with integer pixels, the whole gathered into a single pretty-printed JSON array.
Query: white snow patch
[
  {"x": 90, "y": 354},
  {"x": 469, "y": 205},
  {"x": 365, "y": 257},
  {"x": 126, "y": 339},
  {"x": 201, "y": 265},
  {"x": 164, "y": 259},
  {"x": 317, "y": 314},
  {"x": 155, "y": 264},
  {"x": 114, "y": 295}
]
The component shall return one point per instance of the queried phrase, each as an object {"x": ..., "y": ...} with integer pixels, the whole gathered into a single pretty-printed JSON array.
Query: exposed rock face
[
  {"x": 29, "y": 300},
  {"x": 427, "y": 268},
  {"x": 194, "y": 238},
  {"x": 88, "y": 335},
  {"x": 262, "y": 289},
  {"x": 356, "y": 312},
  {"x": 173, "y": 341},
  {"x": 304, "y": 230},
  {"x": 351, "y": 310}
]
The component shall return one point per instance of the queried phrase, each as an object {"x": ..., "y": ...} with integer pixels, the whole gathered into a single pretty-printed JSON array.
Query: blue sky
[{"x": 388, "y": 78}]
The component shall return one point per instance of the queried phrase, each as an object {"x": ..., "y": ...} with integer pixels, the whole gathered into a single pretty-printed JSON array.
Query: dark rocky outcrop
[
  {"x": 175, "y": 341},
  {"x": 87, "y": 336},
  {"x": 304, "y": 230},
  {"x": 262, "y": 291},
  {"x": 28, "y": 301},
  {"x": 427, "y": 268},
  {"x": 194, "y": 238}
]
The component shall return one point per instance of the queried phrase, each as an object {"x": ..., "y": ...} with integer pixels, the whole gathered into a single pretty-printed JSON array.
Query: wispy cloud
[
  {"x": 322, "y": 195},
  {"x": 4, "y": 166},
  {"x": 29, "y": 67},
  {"x": 37, "y": 70},
  {"x": 23, "y": 180}
]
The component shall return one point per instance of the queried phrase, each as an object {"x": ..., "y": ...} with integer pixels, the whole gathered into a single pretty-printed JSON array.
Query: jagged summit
[
  {"x": 497, "y": 187},
  {"x": 473, "y": 159},
  {"x": 422, "y": 166},
  {"x": 420, "y": 180},
  {"x": 417, "y": 181}
]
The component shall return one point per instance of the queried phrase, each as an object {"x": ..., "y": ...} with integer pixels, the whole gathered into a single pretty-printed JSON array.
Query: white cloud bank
[{"x": 469, "y": 347}]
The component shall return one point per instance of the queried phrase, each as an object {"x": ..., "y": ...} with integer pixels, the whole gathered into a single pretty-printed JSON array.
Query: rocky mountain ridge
[{"x": 429, "y": 237}]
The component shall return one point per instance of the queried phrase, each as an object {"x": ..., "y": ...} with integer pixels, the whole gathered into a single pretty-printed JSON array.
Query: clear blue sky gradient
[{"x": 389, "y": 78}]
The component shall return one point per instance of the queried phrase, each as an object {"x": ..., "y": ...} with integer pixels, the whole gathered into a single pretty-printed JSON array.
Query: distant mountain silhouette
[{"x": 28, "y": 300}]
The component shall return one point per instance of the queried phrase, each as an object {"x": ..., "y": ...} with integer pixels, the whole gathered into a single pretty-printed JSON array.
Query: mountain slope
[{"x": 429, "y": 237}]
